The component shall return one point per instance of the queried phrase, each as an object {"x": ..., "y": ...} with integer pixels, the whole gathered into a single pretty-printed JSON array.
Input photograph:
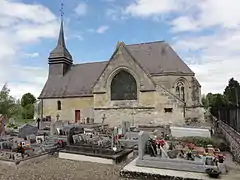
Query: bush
[
  {"x": 203, "y": 141},
  {"x": 221, "y": 144},
  {"x": 14, "y": 126},
  {"x": 199, "y": 141}
]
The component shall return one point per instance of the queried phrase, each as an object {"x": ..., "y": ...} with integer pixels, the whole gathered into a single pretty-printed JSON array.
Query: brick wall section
[{"x": 233, "y": 138}]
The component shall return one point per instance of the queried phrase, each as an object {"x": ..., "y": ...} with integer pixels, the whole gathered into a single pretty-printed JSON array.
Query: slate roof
[
  {"x": 60, "y": 52},
  {"x": 158, "y": 58},
  {"x": 77, "y": 81},
  {"x": 154, "y": 57}
]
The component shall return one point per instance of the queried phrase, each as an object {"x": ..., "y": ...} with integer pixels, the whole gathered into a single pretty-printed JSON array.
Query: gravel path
[{"x": 58, "y": 169}]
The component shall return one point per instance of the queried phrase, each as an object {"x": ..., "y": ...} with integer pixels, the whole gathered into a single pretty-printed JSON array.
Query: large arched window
[
  {"x": 180, "y": 91},
  {"x": 123, "y": 87}
]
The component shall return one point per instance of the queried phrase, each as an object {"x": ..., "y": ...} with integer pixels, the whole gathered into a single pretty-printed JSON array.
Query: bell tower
[{"x": 60, "y": 60}]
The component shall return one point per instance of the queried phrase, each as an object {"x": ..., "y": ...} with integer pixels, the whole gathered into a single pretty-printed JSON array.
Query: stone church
[{"x": 141, "y": 83}]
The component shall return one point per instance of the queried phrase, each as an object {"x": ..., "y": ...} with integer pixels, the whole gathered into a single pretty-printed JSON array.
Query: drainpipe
[
  {"x": 184, "y": 110},
  {"x": 237, "y": 109},
  {"x": 41, "y": 108}
]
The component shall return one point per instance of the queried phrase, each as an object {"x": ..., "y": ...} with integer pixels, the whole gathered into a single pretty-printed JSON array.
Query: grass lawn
[{"x": 20, "y": 122}]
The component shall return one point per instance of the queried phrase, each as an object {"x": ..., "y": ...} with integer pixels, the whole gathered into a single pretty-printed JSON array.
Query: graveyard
[{"x": 147, "y": 150}]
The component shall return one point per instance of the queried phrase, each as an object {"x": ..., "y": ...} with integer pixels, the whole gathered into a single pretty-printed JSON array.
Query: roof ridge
[
  {"x": 90, "y": 63},
  {"x": 150, "y": 42}
]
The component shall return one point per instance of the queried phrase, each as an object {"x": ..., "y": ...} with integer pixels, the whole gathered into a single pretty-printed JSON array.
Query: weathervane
[{"x": 61, "y": 10}]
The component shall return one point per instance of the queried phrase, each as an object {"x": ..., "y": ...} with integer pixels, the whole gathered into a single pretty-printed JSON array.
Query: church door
[{"x": 77, "y": 116}]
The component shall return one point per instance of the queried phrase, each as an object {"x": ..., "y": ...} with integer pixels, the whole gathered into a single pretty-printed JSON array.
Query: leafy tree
[
  {"x": 7, "y": 103},
  {"x": 27, "y": 103},
  {"x": 27, "y": 99},
  {"x": 28, "y": 111},
  {"x": 232, "y": 92},
  {"x": 205, "y": 102},
  {"x": 214, "y": 100}
]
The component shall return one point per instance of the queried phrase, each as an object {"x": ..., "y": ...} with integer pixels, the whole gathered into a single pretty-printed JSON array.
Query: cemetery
[{"x": 150, "y": 150}]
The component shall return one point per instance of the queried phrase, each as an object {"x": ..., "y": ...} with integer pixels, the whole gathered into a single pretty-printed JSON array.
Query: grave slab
[
  {"x": 186, "y": 132},
  {"x": 131, "y": 170}
]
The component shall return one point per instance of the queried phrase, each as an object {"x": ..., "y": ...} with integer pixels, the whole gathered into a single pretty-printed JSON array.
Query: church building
[{"x": 140, "y": 83}]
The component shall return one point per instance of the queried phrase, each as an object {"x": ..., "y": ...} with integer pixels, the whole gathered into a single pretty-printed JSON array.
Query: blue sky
[{"x": 205, "y": 33}]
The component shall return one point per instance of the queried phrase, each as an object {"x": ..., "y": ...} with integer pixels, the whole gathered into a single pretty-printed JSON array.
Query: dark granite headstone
[{"x": 27, "y": 130}]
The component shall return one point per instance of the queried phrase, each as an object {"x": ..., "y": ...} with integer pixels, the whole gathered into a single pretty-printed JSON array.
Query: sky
[{"x": 205, "y": 33}]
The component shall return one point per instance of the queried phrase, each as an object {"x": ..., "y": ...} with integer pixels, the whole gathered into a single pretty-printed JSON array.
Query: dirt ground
[{"x": 58, "y": 169}]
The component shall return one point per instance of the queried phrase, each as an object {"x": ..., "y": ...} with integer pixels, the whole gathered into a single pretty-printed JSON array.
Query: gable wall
[
  {"x": 192, "y": 96},
  {"x": 147, "y": 108},
  {"x": 122, "y": 60},
  {"x": 169, "y": 82}
]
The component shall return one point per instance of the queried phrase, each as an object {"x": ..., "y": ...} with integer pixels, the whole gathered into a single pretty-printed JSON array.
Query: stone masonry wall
[
  {"x": 114, "y": 117},
  {"x": 232, "y": 137}
]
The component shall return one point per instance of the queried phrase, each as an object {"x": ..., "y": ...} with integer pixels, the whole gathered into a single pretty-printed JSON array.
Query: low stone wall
[{"x": 232, "y": 137}]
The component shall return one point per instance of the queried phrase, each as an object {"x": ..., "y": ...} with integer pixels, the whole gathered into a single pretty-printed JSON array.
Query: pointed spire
[
  {"x": 61, "y": 39},
  {"x": 60, "y": 53}
]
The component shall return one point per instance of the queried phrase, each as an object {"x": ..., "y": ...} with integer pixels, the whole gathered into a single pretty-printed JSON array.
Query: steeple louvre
[{"x": 60, "y": 54}]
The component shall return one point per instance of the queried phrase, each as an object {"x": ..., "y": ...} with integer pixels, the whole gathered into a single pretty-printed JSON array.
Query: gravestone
[
  {"x": 125, "y": 127},
  {"x": 142, "y": 140},
  {"x": 52, "y": 128},
  {"x": 27, "y": 130}
]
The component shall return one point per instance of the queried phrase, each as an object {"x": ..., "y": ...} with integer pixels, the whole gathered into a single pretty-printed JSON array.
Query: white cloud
[
  {"x": 21, "y": 26},
  {"x": 146, "y": 8},
  {"x": 210, "y": 13},
  {"x": 81, "y": 9},
  {"x": 197, "y": 13},
  {"x": 32, "y": 55},
  {"x": 218, "y": 59},
  {"x": 102, "y": 29},
  {"x": 184, "y": 23},
  {"x": 32, "y": 80},
  {"x": 20, "y": 11},
  {"x": 116, "y": 13},
  {"x": 212, "y": 46}
]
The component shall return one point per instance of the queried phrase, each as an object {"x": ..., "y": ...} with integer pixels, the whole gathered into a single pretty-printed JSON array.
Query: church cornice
[
  {"x": 172, "y": 74},
  {"x": 130, "y": 107}
]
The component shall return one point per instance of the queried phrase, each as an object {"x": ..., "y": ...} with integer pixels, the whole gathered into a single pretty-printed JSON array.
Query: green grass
[{"x": 20, "y": 122}]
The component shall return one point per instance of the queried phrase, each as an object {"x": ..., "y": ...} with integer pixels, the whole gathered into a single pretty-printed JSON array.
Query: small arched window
[
  {"x": 59, "y": 105},
  {"x": 123, "y": 87},
  {"x": 180, "y": 91}
]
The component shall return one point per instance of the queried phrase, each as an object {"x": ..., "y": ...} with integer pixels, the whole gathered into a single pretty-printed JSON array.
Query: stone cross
[{"x": 57, "y": 117}]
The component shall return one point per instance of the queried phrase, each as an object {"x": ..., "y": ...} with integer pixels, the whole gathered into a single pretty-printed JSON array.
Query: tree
[
  {"x": 28, "y": 111},
  {"x": 232, "y": 92},
  {"x": 205, "y": 102},
  {"x": 27, "y": 103},
  {"x": 7, "y": 103},
  {"x": 214, "y": 100},
  {"x": 27, "y": 99}
]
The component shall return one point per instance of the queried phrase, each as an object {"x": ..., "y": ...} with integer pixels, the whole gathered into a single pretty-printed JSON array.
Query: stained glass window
[{"x": 123, "y": 87}]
